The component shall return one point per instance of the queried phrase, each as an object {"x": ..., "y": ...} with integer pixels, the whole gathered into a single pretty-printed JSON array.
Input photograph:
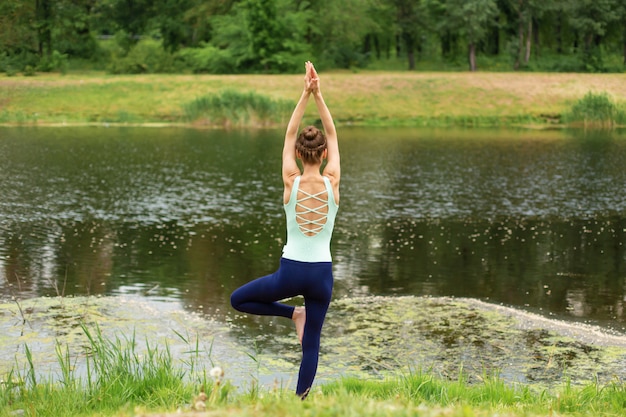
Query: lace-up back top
[{"x": 310, "y": 223}]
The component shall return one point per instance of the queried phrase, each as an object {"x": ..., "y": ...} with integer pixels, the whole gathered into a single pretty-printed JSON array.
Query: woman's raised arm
[
  {"x": 290, "y": 166},
  {"x": 333, "y": 168}
]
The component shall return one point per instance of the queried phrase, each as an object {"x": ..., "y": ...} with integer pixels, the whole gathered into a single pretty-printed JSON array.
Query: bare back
[{"x": 312, "y": 205}]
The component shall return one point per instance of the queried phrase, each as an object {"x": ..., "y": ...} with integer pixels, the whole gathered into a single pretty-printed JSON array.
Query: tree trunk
[
  {"x": 367, "y": 43},
  {"x": 409, "y": 43},
  {"x": 520, "y": 34},
  {"x": 446, "y": 46},
  {"x": 472, "y": 56},
  {"x": 44, "y": 34},
  {"x": 536, "y": 43},
  {"x": 398, "y": 46},
  {"x": 411, "y": 56},
  {"x": 388, "y": 47},
  {"x": 528, "y": 40},
  {"x": 559, "y": 38},
  {"x": 495, "y": 37},
  {"x": 377, "y": 46},
  {"x": 624, "y": 49}
]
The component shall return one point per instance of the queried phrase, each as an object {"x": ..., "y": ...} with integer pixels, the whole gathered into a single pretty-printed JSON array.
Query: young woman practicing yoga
[{"x": 311, "y": 200}]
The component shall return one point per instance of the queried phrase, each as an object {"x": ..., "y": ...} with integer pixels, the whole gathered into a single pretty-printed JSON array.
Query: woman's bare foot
[{"x": 299, "y": 318}]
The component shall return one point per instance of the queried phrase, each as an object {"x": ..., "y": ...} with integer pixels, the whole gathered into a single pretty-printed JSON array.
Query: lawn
[{"x": 373, "y": 98}]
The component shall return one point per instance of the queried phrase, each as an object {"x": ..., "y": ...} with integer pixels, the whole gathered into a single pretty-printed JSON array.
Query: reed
[
  {"x": 596, "y": 110},
  {"x": 234, "y": 108},
  {"x": 119, "y": 374}
]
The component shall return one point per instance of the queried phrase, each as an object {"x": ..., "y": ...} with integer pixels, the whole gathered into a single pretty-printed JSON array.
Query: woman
[{"x": 311, "y": 200}]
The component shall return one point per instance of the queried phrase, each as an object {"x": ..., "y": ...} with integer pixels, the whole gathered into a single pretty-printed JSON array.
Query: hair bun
[
  {"x": 310, "y": 133},
  {"x": 310, "y": 144}
]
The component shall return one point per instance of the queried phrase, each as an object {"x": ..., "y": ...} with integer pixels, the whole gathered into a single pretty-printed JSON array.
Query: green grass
[
  {"x": 232, "y": 107},
  {"x": 119, "y": 374},
  {"x": 124, "y": 379},
  {"x": 596, "y": 110},
  {"x": 368, "y": 98}
]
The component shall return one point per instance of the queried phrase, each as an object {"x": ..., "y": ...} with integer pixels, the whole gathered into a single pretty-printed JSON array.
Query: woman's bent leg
[{"x": 260, "y": 297}]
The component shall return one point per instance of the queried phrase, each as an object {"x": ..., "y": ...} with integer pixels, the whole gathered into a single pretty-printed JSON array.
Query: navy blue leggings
[{"x": 314, "y": 281}]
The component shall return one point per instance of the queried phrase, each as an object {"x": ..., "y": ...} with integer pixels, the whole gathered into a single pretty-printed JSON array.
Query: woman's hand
[{"x": 311, "y": 79}]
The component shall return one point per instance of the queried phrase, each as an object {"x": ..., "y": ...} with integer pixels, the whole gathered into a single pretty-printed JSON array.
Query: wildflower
[
  {"x": 199, "y": 403},
  {"x": 216, "y": 372}
]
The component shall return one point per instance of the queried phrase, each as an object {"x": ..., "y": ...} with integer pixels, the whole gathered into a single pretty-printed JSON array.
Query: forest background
[{"x": 277, "y": 36}]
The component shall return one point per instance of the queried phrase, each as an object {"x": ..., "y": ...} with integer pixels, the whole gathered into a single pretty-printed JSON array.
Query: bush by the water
[
  {"x": 234, "y": 108},
  {"x": 596, "y": 110}
]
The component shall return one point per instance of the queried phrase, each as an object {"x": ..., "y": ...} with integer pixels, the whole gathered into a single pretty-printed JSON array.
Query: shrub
[
  {"x": 14, "y": 61},
  {"x": 55, "y": 62},
  {"x": 236, "y": 108},
  {"x": 29, "y": 71},
  {"x": 147, "y": 56},
  {"x": 596, "y": 110},
  {"x": 207, "y": 59}
]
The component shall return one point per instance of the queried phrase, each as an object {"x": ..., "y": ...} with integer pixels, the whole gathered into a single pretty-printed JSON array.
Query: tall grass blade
[{"x": 234, "y": 108}]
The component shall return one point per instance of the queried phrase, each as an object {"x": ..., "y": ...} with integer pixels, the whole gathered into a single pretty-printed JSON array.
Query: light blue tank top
[{"x": 314, "y": 248}]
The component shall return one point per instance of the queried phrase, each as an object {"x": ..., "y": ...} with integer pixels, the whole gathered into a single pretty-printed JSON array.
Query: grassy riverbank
[
  {"x": 365, "y": 98},
  {"x": 410, "y": 395},
  {"x": 119, "y": 375},
  {"x": 122, "y": 382}
]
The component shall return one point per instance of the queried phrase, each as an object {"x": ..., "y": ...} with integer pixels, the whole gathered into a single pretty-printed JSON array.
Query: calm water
[{"x": 532, "y": 220}]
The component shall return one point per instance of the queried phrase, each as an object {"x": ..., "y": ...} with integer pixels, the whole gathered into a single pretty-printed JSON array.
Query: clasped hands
[{"x": 311, "y": 79}]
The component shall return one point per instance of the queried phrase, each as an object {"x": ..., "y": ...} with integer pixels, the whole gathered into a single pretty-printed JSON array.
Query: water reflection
[{"x": 535, "y": 220}]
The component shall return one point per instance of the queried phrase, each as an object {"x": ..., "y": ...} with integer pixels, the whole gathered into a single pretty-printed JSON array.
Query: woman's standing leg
[
  {"x": 318, "y": 289},
  {"x": 315, "y": 314}
]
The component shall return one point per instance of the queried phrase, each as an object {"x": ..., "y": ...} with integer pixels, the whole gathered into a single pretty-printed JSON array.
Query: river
[{"x": 534, "y": 221}]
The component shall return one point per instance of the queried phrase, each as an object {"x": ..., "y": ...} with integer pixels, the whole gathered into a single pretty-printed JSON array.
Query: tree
[
  {"x": 16, "y": 26},
  {"x": 262, "y": 35},
  {"x": 129, "y": 16},
  {"x": 168, "y": 18},
  {"x": 71, "y": 28},
  {"x": 380, "y": 36},
  {"x": 472, "y": 19},
  {"x": 31, "y": 32},
  {"x": 337, "y": 29},
  {"x": 525, "y": 14},
  {"x": 198, "y": 18},
  {"x": 440, "y": 23},
  {"x": 43, "y": 18},
  {"x": 265, "y": 31},
  {"x": 411, "y": 17},
  {"x": 624, "y": 34},
  {"x": 591, "y": 19}
]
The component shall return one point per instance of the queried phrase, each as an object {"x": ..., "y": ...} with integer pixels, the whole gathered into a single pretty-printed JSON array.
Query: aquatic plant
[
  {"x": 596, "y": 110},
  {"x": 118, "y": 374},
  {"x": 234, "y": 108}
]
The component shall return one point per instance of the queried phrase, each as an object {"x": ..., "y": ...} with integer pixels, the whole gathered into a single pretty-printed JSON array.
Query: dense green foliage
[
  {"x": 596, "y": 110},
  {"x": 234, "y": 108},
  {"x": 275, "y": 36}
]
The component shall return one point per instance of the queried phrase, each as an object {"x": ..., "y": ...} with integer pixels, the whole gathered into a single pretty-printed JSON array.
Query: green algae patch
[
  {"x": 451, "y": 337},
  {"x": 31, "y": 331},
  {"x": 365, "y": 337}
]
